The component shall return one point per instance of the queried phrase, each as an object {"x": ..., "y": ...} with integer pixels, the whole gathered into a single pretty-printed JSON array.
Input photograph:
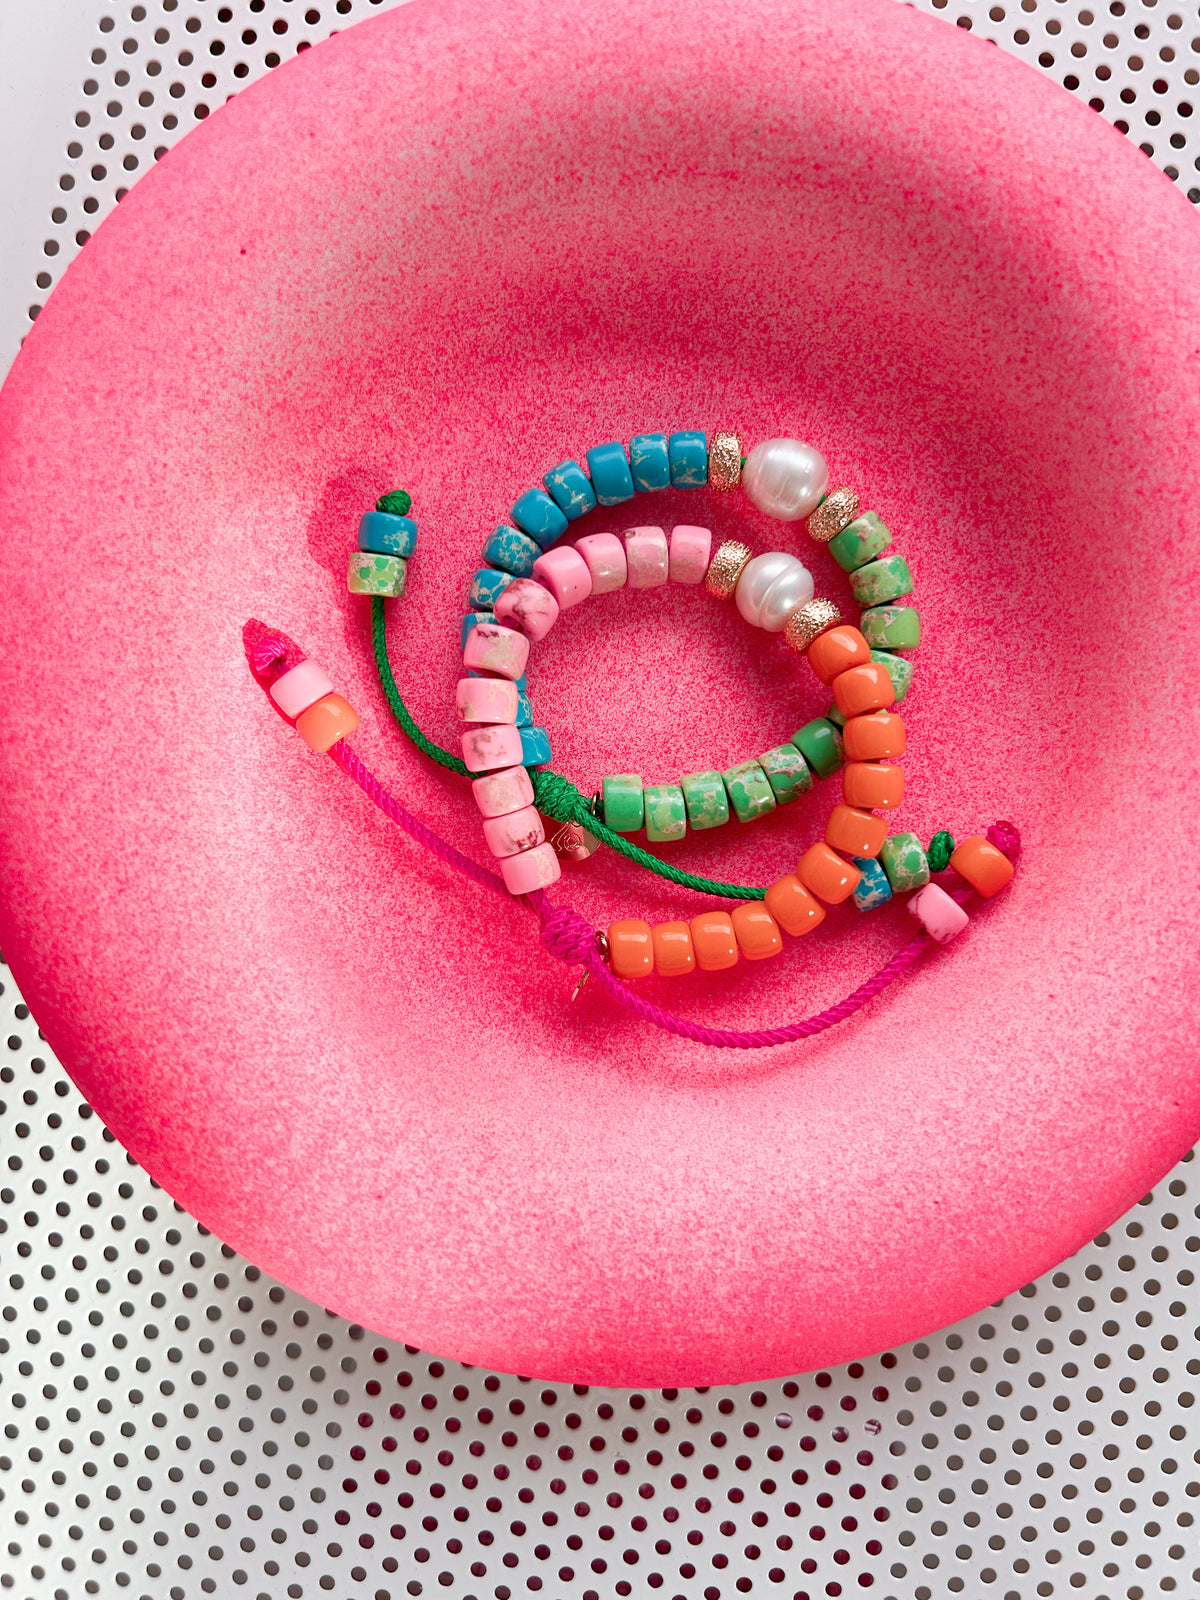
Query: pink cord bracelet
[{"x": 564, "y": 932}]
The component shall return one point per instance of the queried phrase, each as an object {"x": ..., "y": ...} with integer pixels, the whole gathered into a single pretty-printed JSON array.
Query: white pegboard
[{"x": 175, "y": 1424}]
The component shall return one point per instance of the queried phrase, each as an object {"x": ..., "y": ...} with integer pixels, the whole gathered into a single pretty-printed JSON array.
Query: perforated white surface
[{"x": 175, "y": 1424}]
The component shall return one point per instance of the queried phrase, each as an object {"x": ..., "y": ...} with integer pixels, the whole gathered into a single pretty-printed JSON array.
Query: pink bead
[
  {"x": 300, "y": 688},
  {"x": 605, "y": 557},
  {"x": 486, "y": 700},
  {"x": 938, "y": 914},
  {"x": 528, "y": 606},
  {"x": 532, "y": 869},
  {"x": 501, "y": 792},
  {"x": 565, "y": 573},
  {"x": 496, "y": 744},
  {"x": 646, "y": 553},
  {"x": 491, "y": 648},
  {"x": 690, "y": 552},
  {"x": 509, "y": 835}
]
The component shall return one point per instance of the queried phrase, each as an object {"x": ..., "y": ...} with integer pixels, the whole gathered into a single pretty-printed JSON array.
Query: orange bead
[
  {"x": 673, "y": 952},
  {"x": 323, "y": 724},
  {"x": 865, "y": 688},
  {"x": 794, "y": 908},
  {"x": 872, "y": 785},
  {"x": 877, "y": 736},
  {"x": 714, "y": 941},
  {"x": 836, "y": 651},
  {"x": 758, "y": 934},
  {"x": 985, "y": 868},
  {"x": 824, "y": 872},
  {"x": 854, "y": 832},
  {"x": 631, "y": 948}
]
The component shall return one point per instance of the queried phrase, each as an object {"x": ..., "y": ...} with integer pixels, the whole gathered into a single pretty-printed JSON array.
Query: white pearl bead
[
  {"x": 785, "y": 478},
  {"x": 759, "y": 581},
  {"x": 791, "y": 589}
]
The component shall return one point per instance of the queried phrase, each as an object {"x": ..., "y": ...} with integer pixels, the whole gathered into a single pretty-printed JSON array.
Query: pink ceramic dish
[{"x": 443, "y": 251}]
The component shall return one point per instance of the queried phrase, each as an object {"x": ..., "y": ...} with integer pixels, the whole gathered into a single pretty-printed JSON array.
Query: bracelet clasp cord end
[{"x": 602, "y": 946}]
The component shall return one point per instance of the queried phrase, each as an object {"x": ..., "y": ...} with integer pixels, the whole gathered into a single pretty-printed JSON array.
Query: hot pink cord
[{"x": 570, "y": 936}]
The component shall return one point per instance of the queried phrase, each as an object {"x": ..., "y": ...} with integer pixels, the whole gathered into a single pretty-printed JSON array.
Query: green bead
[
  {"x": 820, "y": 743},
  {"x": 666, "y": 818},
  {"x": 891, "y": 627},
  {"x": 899, "y": 671},
  {"x": 787, "y": 772},
  {"x": 375, "y": 574},
  {"x": 832, "y": 714},
  {"x": 859, "y": 542},
  {"x": 749, "y": 790},
  {"x": 705, "y": 798},
  {"x": 941, "y": 848},
  {"x": 624, "y": 808},
  {"x": 881, "y": 581},
  {"x": 906, "y": 864}
]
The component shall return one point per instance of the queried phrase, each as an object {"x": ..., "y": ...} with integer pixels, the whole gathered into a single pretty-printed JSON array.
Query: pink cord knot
[
  {"x": 568, "y": 935},
  {"x": 1006, "y": 836},
  {"x": 269, "y": 652}
]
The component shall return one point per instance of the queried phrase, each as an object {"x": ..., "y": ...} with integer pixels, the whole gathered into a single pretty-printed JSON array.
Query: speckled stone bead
[
  {"x": 941, "y": 917},
  {"x": 604, "y": 554},
  {"x": 486, "y": 585},
  {"x": 486, "y": 700},
  {"x": 705, "y": 798},
  {"x": 872, "y": 888},
  {"x": 795, "y": 908},
  {"x": 611, "y": 477},
  {"x": 688, "y": 455},
  {"x": 623, "y": 806},
  {"x": 835, "y": 715},
  {"x": 513, "y": 832},
  {"x": 820, "y": 743},
  {"x": 569, "y": 487},
  {"x": 787, "y": 772},
  {"x": 471, "y": 620},
  {"x": 647, "y": 557},
  {"x": 528, "y": 606},
  {"x": 905, "y": 862},
  {"x": 524, "y": 717},
  {"x": 649, "y": 463},
  {"x": 666, "y": 815},
  {"x": 368, "y": 574},
  {"x": 385, "y": 535},
  {"x": 511, "y": 550},
  {"x": 565, "y": 573},
  {"x": 749, "y": 790},
  {"x": 300, "y": 688},
  {"x": 492, "y": 648},
  {"x": 530, "y": 869},
  {"x": 521, "y": 682},
  {"x": 689, "y": 552},
  {"x": 539, "y": 517},
  {"x": 859, "y": 542},
  {"x": 631, "y": 948},
  {"x": 674, "y": 954},
  {"x": 891, "y": 627},
  {"x": 881, "y": 581},
  {"x": 490, "y": 747},
  {"x": 535, "y": 746},
  {"x": 898, "y": 670},
  {"x": 321, "y": 726},
  {"x": 498, "y": 793}
]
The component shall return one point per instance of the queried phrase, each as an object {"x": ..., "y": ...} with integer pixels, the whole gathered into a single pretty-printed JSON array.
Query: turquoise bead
[
  {"x": 469, "y": 621},
  {"x": 524, "y": 709},
  {"x": 536, "y": 513},
  {"x": 787, "y": 772},
  {"x": 649, "y": 461},
  {"x": 905, "y": 862},
  {"x": 688, "y": 454},
  {"x": 385, "y": 535},
  {"x": 891, "y": 627},
  {"x": 873, "y": 888},
  {"x": 859, "y": 542},
  {"x": 749, "y": 790},
  {"x": 535, "y": 747},
  {"x": 820, "y": 743},
  {"x": 570, "y": 489},
  {"x": 486, "y": 585},
  {"x": 611, "y": 477},
  {"x": 666, "y": 815},
  {"x": 705, "y": 798},
  {"x": 514, "y": 552},
  {"x": 899, "y": 670},
  {"x": 881, "y": 581}
]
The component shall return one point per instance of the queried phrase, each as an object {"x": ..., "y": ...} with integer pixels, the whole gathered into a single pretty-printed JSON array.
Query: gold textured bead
[
  {"x": 809, "y": 620},
  {"x": 725, "y": 460},
  {"x": 731, "y": 560},
  {"x": 837, "y": 511}
]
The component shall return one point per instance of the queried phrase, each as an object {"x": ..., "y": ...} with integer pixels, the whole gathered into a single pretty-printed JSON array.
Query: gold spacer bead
[
  {"x": 731, "y": 560},
  {"x": 725, "y": 460},
  {"x": 807, "y": 621},
  {"x": 837, "y": 511}
]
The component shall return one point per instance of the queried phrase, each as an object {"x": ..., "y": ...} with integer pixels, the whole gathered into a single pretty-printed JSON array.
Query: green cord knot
[
  {"x": 941, "y": 848},
  {"x": 396, "y": 504},
  {"x": 558, "y": 797}
]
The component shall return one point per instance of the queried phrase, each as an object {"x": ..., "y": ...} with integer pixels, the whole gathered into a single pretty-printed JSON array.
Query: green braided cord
[
  {"x": 941, "y": 848},
  {"x": 397, "y": 504},
  {"x": 556, "y": 795}
]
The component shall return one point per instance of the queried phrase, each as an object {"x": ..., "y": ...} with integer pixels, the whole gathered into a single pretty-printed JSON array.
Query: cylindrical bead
[
  {"x": 610, "y": 474},
  {"x": 873, "y": 785},
  {"x": 535, "y": 746},
  {"x": 820, "y": 743},
  {"x": 749, "y": 790},
  {"x": 891, "y": 627},
  {"x": 674, "y": 953},
  {"x": 624, "y": 802},
  {"x": 528, "y": 606},
  {"x": 666, "y": 816},
  {"x": 714, "y": 941},
  {"x": 855, "y": 832},
  {"x": 881, "y": 581},
  {"x": 859, "y": 541},
  {"x": 486, "y": 700},
  {"x": 492, "y": 648},
  {"x": 873, "y": 888},
  {"x": 565, "y": 573},
  {"x": 876, "y": 736},
  {"x": 865, "y": 688},
  {"x": 511, "y": 550},
  {"x": 490, "y": 746},
  {"x": 605, "y": 557},
  {"x": 385, "y": 535},
  {"x": 898, "y": 670},
  {"x": 531, "y": 869},
  {"x": 689, "y": 553},
  {"x": 826, "y": 874},
  {"x": 724, "y": 460},
  {"x": 472, "y": 620},
  {"x": 838, "y": 508},
  {"x": 536, "y": 513},
  {"x": 646, "y": 557},
  {"x": 808, "y": 621},
  {"x": 985, "y": 868},
  {"x": 904, "y": 861},
  {"x": 486, "y": 585},
  {"x": 726, "y": 568},
  {"x": 787, "y": 772},
  {"x": 300, "y": 688},
  {"x": 649, "y": 461},
  {"x": 571, "y": 489},
  {"x": 687, "y": 453},
  {"x": 836, "y": 651},
  {"x": 370, "y": 574},
  {"x": 631, "y": 948},
  {"x": 705, "y": 798},
  {"x": 321, "y": 725},
  {"x": 499, "y": 793},
  {"x": 785, "y": 478},
  {"x": 795, "y": 908},
  {"x": 940, "y": 916},
  {"x": 756, "y": 931},
  {"x": 513, "y": 832}
]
